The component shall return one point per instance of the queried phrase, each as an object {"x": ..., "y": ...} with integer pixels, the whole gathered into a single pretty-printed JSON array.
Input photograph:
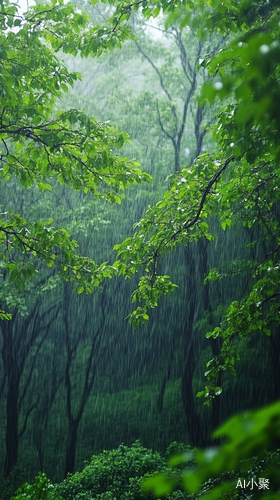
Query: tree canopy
[{"x": 38, "y": 145}]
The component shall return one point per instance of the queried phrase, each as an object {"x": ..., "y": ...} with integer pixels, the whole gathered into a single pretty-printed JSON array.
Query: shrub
[
  {"x": 41, "y": 489},
  {"x": 8, "y": 485},
  {"x": 112, "y": 475}
]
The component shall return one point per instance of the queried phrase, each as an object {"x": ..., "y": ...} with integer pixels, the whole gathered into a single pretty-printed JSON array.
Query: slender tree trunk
[
  {"x": 71, "y": 446},
  {"x": 12, "y": 436},
  {"x": 275, "y": 358},
  {"x": 167, "y": 376},
  {"x": 12, "y": 382},
  {"x": 15, "y": 350},
  {"x": 195, "y": 428},
  {"x": 90, "y": 374},
  {"x": 177, "y": 159},
  {"x": 199, "y": 431},
  {"x": 215, "y": 344}
]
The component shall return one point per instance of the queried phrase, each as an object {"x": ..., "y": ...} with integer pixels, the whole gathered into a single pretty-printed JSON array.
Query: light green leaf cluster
[
  {"x": 5, "y": 316},
  {"x": 41, "y": 489},
  {"x": 179, "y": 218}
]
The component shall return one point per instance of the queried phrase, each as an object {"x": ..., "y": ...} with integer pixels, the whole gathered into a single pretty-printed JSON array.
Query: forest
[{"x": 139, "y": 249}]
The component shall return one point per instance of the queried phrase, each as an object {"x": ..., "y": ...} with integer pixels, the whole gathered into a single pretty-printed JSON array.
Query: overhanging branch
[{"x": 214, "y": 179}]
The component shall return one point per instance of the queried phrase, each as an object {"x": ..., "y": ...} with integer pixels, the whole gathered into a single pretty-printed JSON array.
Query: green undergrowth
[{"x": 119, "y": 474}]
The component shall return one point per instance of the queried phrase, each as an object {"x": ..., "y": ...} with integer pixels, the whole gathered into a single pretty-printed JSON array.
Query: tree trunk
[
  {"x": 12, "y": 436},
  {"x": 275, "y": 358},
  {"x": 196, "y": 432},
  {"x": 90, "y": 374},
  {"x": 15, "y": 350},
  {"x": 71, "y": 446},
  {"x": 12, "y": 374},
  {"x": 199, "y": 431}
]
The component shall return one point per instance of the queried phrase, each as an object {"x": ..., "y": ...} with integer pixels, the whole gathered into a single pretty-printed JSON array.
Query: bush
[
  {"x": 119, "y": 475},
  {"x": 41, "y": 489},
  {"x": 8, "y": 485},
  {"x": 112, "y": 475}
]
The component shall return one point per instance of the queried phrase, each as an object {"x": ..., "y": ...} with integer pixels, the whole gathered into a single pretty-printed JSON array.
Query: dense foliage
[
  {"x": 37, "y": 146},
  {"x": 126, "y": 473},
  {"x": 113, "y": 474}
]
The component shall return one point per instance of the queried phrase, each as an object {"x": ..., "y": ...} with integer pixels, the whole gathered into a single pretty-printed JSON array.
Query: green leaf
[
  {"x": 43, "y": 186},
  {"x": 64, "y": 87},
  {"x": 159, "y": 484}
]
